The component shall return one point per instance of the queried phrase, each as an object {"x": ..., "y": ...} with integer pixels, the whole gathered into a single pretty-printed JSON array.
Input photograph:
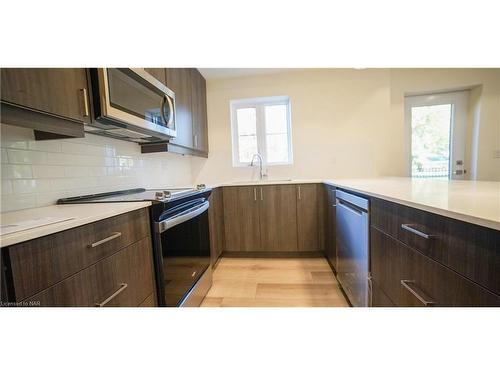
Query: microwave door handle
[
  {"x": 168, "y": 122},
  {"x": 163, "y": 225}
]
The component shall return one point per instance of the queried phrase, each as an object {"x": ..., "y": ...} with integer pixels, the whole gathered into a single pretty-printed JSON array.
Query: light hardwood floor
[{"x": 260, "y": 282}]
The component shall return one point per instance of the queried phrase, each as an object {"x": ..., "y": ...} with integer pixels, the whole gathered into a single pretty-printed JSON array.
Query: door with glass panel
[{"x": 436, "y": 124}]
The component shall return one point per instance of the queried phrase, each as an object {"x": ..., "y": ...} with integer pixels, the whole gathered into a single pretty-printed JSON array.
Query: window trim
[{"x": 259, "y": 103}]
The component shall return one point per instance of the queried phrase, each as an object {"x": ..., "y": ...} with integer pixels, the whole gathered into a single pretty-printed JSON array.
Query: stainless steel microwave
[{"x": 131, "y": 104}]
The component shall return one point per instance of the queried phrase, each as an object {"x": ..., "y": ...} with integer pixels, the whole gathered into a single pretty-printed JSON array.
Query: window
[{"x": 261, "y": 125}]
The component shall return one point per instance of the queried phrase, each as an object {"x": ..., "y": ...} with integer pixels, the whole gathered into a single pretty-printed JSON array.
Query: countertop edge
[
  {"x": 436, "y": 210},
  {"x": 30, "y": 234}
]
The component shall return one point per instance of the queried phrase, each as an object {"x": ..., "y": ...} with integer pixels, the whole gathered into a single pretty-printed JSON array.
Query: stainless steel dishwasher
[{"x": 352, "y": 247}]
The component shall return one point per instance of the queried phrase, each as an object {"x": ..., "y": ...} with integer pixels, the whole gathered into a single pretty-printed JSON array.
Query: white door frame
[{"x": 458, "y": 132}]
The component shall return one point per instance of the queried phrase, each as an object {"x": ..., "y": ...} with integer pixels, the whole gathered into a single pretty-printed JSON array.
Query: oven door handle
[{"x": 163, "y": 225}]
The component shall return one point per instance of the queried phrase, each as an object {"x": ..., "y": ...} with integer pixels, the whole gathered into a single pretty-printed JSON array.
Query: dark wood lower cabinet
[
  {"x": 123, "y": 279},
  {"x": 330, "y": 227},
  {"x": 105, "y": 263},
  {"x": 278, "y": 218},
  {"x": 216, "y": 225},
  {"x": 409, "y": 278}
]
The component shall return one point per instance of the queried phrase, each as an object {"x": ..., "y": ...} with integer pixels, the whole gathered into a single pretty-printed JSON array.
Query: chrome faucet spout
[{"x": 261, "y": 163}]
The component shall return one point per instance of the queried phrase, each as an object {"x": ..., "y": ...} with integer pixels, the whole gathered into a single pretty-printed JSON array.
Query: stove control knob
[
  {"x": 158, "y": 195},
  {"x": 167, "y": 193},
  {"x": 200, "y": 187}
]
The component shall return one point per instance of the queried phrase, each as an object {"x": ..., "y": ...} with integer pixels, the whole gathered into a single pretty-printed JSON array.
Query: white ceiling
[{"x": 218, "y": 73}]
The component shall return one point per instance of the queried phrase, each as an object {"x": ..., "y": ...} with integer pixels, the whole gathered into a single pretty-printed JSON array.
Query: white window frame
[{"x": 259, "y": 104}]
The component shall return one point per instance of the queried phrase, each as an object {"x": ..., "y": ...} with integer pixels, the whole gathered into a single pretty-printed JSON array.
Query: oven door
[
  {"x": 182, "y": 238},
  {"x": 137, "y": 100}
]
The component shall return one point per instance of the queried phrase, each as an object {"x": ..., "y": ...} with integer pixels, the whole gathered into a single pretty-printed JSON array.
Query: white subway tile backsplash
[
  {"x": 4, "y": 157},
  {"x": 47, "y": 171},
  {"x": 6, "y": 187},
  {"x": 37, "y": 173},
  {"x": 26, "y": 157},
  {"x": 11, "y": 171}
]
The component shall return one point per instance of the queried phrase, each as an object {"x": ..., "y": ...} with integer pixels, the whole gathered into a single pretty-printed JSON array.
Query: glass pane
[
  {"x": 247, "y": 147},
  {"x": 430, "y": 141},
  {"x": 247, "y": 121},
  {"x": 276, "y": 119},
  {"x": 277, "y": 148},
  {"x": 129, "y": 95}
]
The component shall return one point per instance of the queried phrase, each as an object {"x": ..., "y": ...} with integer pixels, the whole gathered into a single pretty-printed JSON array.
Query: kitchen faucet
[{"x": 261, "y": 162}]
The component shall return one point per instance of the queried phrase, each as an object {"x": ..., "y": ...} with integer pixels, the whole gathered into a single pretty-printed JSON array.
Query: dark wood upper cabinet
[
  {"x": 278, "y": 217},
  {"x": 158, "y": 73},
  {"x": 308, "y": 217},
  {"x": 199, "y": 110},
  {"x": 58, "y": 92},
  {"x": 50, "y": 100},
  {"x": 191, "y": 112},
  {"x": 179, "y": 80}
]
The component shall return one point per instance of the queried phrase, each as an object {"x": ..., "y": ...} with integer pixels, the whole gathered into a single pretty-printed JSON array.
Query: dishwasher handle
[{"x": 349, "y": 206}]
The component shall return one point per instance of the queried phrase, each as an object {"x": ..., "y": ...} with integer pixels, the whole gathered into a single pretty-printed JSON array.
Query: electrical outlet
[{"x": 496, "y": 154}]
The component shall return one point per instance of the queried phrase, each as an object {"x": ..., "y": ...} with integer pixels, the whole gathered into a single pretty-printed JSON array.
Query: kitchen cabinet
[
  {"x": 330, "y": 226},
  {"x": 278, "y": 217},
  {"x": 216, "y": 225},
  {"x": 199, "y": 111},
  {"x": 158, "y": 73},
  {"x": 241, "y": 219},
  {"x": 308, "y": 219},
  {"x": 266, "y": 219},
  {"x": 107, "y": 261},
  {"x": 54, "y": 102},
  {"x": 191, "y": 112},
  {"x": 411, "y": 279},
  {"x": 419, "y": 258},
  {"x": 180, "y": 81}
]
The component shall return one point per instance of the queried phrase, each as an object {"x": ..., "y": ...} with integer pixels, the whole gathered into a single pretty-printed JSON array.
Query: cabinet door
[
  {"x": 199, "y": 106},
  {"x": 179, "y": 80},
  {"x": 278, "y": 217},
  {"x": 216, "y": 223},
  {"x": 331, "y": 248},
  {"x": 241, "y": 219},
  {"x": 60, "y": 92},
  {"x": 308, "y": 217},
  {"x": 158, "y": 73}
]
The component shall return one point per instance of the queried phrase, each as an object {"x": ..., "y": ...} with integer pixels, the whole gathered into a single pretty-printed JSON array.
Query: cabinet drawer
[
  {"x": 470, "y": 250},
  {"x": 379, "y": 298},
  {"x": 123, "y": 279},
  {"x": 409, "y": 278},
  {"x": 40, "y": 263}
]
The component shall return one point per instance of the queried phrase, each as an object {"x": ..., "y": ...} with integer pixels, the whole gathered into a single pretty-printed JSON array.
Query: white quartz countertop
[
  {"x": 476, "y": 202},
  {"x": 67, "y": 216}
]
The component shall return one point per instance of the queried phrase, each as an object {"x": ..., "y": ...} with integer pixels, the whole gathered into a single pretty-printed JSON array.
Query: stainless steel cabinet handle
[
  {"x": 261, "y": 195},
  {"x": 112, "y": 237},
  {"x": 421, "y": 298},
  {"x": 299, "y": 193},
  {"x": 409, "y": 228},
  {"x": 123, "y": 286},
  {"x": 195, "y": 140},
  {"x": 254, "y": 194},
  {"x": 86, "y": 111}
]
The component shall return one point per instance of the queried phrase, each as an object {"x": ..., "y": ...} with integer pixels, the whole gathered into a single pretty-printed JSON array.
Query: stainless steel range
[{"x": 181, "y": 245}]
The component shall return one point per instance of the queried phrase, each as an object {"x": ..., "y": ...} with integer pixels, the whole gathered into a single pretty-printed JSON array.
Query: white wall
[
  {"x": 37, "y": 173},
  {"x": 346, "y": 122}
]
